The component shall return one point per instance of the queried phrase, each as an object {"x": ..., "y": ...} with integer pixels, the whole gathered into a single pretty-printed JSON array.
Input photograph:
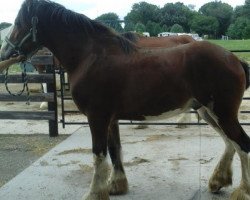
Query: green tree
[
  {"x": 246, "y": 9},
  {"x": 129, "y": 26},
  {"x": 176, "y": 28},
  {"x": 242, "y": 11},
  {"x": 112, "y": 20},
  {"x": 223, "y": 12},
  {"x": 238, "y": 12},
  {"x": 153, "y": 28},
  {"x": 140, "y": 28},
  {"x": 239, "y": 29},
  {"x": 204, "y": 25},
  {"x": 165, "y": 28},
  {"x": 142, "y": 13},
  {"x": 176, "y": 13},
  {"x": 246, "y": 32}
]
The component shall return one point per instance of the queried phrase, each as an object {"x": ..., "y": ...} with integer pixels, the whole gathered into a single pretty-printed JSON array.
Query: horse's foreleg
[
  {"x": 99, "y": 130},
  {"x": 222, "y": 175},
  {"x": 117, "y": 183}
]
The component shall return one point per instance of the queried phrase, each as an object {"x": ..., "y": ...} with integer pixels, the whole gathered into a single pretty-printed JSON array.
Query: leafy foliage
[
  {"x": 214, "y": 19},
  {"x": 112, "y": 20},
  {"x": 176, "y": 28},
  {"x": 204, "y": 25},
  {"x": 140, "y": 28},
  {"x": 223, "y": 12},
  {"x": 176, "y": 13},
  {"x": 142, "y": 13},
  {"x": 240, "y": 29}
]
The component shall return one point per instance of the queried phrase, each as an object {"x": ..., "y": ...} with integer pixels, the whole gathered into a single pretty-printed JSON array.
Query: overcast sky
[{"x": 94, "y": 8}]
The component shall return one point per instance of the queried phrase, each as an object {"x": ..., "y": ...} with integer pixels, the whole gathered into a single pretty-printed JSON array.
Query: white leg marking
[
  {"x": 98, "y": 187},
  {"x": 222, "y": 175},
  {"x": 99, "y": 181},
  {"x": 243, "y": 191}
]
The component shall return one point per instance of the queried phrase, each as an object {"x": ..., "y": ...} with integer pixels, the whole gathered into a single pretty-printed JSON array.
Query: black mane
[
  {"x": 133, "y": 37},
  {"x": 55, "y": 13}
]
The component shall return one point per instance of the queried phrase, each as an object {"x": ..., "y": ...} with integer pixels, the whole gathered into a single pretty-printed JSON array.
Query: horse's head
[{"x": 22, "y": 38}]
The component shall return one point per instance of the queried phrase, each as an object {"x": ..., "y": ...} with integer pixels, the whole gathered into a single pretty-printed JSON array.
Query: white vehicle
[
  {"x": 193, "y": 35},
  {"x": 166, "y": 34},
  {"x": 146, "y": 34}
]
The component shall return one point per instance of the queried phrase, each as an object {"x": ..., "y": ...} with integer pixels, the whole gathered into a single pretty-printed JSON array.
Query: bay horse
[
  {"x": 156, "y": 42},
  {"x": 112, "y": 79}
]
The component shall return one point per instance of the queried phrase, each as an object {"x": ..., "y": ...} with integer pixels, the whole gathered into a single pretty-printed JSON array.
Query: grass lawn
[{"x": 235, "y": 45}]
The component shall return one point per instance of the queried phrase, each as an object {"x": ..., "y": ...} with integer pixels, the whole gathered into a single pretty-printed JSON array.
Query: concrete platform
[{"x": 162, "y": 163}]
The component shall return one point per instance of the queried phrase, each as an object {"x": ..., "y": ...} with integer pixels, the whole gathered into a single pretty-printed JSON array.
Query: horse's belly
[
  {"x": 164, "y": 115},
  {"x": 169, "y": 114}
]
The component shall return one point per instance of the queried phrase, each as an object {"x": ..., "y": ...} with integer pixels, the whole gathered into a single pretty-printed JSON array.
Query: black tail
[{"x": 246, "y": 69}]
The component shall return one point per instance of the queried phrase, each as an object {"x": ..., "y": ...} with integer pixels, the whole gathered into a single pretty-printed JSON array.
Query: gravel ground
[
  {"x": 24, "y": 141},
  {"x": 19, "y": 151}
]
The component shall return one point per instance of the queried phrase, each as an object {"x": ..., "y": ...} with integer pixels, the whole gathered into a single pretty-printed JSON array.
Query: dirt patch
[
  {"x": 136, "y": 161},
  {"x": 156, "y": 137},
  {"x": 86, "y": 168},
  {"x": 19, "y": 151},
  {"x": 71, "y": 151}
]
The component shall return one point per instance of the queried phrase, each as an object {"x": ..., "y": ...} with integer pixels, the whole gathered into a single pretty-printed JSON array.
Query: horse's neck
[
  {"x": 69, "y": 52},
  {"x": 72, "y": 53}
]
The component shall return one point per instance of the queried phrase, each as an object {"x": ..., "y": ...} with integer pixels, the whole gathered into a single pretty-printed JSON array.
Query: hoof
[
  {"x": 218, "y": 181},
  {"x": 102, "y": 195},
  {"x": 118, "y": 186},
  {"x": 216, "y": 185},
  {"x": 241, "y": 193}
]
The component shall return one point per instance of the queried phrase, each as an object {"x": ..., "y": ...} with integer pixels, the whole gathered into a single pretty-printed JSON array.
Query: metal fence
[{"x": 65, "y": 96}]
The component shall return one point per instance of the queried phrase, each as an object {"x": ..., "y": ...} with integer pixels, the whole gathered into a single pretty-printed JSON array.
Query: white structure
[
  {"x": 166, "y": 34},
  {"x": 4, "y": 32},
  {"x": 193, "y": 35},
  {"x": 146, "y": 34}
]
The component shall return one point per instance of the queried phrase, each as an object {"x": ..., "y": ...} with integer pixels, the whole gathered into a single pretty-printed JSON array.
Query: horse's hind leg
[
  {"x": 241, "y": 143},
  {"x": 117, "y": 183},
  {"x": 99, "y": 130},
  {"x": 222, "y": 175}
]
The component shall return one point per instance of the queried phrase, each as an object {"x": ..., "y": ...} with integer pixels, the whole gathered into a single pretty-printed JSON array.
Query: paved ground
[{"x": 161, "y": 163}]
